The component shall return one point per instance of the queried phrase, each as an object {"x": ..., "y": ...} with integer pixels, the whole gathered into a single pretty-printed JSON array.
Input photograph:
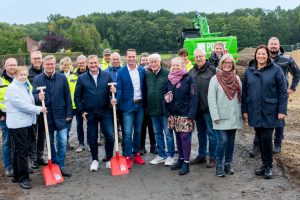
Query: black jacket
[
  {"x": 57, "y": 99},
  {"x": 202, "y": 78},
  {"x": 264, "y": 95},
  {"x": 288, "y": 64},
  {"x": 91, "y": 98},
  {"x": 33, "y": 73}
]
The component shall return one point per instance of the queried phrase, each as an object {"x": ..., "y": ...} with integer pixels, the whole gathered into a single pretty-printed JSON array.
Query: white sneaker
[
  {"x": 94, "y": 166},
  {"x": 80, "y": 149},
  {"x": 87, "y": 147},
  {"x": 157, "y": 160},
  {"x": 170, "y": 161},
  {"x": 107, "y": 165}
]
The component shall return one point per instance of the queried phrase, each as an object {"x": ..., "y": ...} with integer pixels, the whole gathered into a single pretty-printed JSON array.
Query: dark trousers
[
  {"x": 183, "y": 142},
  {"x": 106, "y": 125},
  {"x": 278, "y": 137},
  {"x": 265, "y": 145},
  {"x": 147, "y": 123},
  {"x": 37, "y": 139},
  {"x": 21, "y": 147},
  {"x": 79, "y": 127},
  {"x": 120, "y": 123}
]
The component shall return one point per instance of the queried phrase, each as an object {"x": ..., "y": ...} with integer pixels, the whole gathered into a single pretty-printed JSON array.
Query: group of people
[{"x": 208, "y": 95}]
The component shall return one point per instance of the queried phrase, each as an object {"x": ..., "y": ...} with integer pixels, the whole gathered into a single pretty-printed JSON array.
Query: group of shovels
[{"x": 52, "y": 173}]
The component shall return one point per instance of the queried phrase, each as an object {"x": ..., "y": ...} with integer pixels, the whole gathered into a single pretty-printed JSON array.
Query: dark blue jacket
[
  {"x": 57, "y": 99},
  {"x": 91, "y": 98},
  {"x": 264, "y": 96},
  {"x": 185, "y": 98},
  {"x": 125, "y": 88},
  {"x": 288, "y": 64},
  {"x": 113, "y": 71}
]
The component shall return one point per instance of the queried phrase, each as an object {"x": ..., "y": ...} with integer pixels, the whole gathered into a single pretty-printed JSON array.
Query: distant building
[{"x": 32, "y": 45}]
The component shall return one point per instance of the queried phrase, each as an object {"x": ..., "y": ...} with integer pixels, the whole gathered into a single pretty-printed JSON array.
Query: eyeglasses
[
  {"x": 227, "y": 63},
  {"x": 38, "y": 58}
]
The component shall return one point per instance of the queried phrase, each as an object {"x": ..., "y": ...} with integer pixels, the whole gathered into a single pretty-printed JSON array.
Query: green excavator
[{"x": 200, "y": 37}]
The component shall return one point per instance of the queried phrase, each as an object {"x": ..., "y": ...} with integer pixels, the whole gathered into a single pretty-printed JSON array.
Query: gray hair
[
  {"x": 115, "y": 54},
  {"x": 179, "y": 59},
  {"x": 81, "y": 57},
  {"x": 202, "y": 51},
  {"x": 49, "y": 57},
  {"x": 225, "y": 56},
  {"x": 155, "y": 56},
  {"x": 92, "y": 56}
]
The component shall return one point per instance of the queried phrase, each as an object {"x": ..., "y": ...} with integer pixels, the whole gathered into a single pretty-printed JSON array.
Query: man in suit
[{"x": 130, "y": 97}]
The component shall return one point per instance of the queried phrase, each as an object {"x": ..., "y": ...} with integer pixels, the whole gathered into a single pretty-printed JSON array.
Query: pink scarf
[{"x": 175, "y": 77}]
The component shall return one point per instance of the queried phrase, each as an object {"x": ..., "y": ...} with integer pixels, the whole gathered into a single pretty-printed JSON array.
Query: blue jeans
[
  {"x": 6, "y": 146},
  {"x": 58, "y": 151},
  {"x": 106, "y": 124},
  {"x": 132, "y": 120},
  {"x": 225, "y": 146},
  {"x": 160, "y": 126},
  {"x": 205, "y": 129}
]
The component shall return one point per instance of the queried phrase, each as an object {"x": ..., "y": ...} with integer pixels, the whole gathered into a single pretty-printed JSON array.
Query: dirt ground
[{"x": 159, "y": 182}]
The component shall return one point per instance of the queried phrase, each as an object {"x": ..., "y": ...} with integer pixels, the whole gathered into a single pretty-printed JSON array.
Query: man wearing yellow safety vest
[
  {"x": 106, "y": 59},
  {"x": 6, "y": 78},
  {"x": 72, "y": 80}
]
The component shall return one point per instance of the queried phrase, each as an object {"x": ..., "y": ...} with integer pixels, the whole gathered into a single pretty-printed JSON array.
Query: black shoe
[
  {"x": 143, "y": 151},
  {"x": 228, "y": 169},
  {"x": 70, "y": 146},
  {"x": 16, "y": 180},
  {"x": 277, "y": 149},
  {"x": 260, "y": 171},
  {"x": 65, "y": 173},
  {"x": 198, "y": 160},
  {"x": 104, "y": 159},
  {"x": 153, "y": 149},
  {"x": 185, "y": 168},
  {"x": 268, "y": 173},
  {"x": 254, "y": 152},
  {"x": 25, "y": 185},
  {"x": 220, "y": 171},
  {"x": 177, "y": 165},
  {"x": 34, "y": 165},
  {"x": 41, "y": 161}
]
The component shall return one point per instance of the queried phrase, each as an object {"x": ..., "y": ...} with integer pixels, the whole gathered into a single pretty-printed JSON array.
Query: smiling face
[
  {"x": 219, "y": 49},
  {"x": 273, "y": 46},
  {"x": 144, "y": 61},
  {"x": 82, "y": 64},
  {"x": 49, "y": 66},
  {"x": 200, "y": 58},
  {"x": 115, "y": 60},
  {"x": 176, "y": 65},
  {"x": 227, "y": 65},
  {"x": 36, "y": 59},
  {"x": 22, "y": 75},
  {"x": 93, "y": 65},
  {"x": 65, "y": 67},
  {"x": 131, "y": 58},
  {"x": 154, "y": 64},
  {"x": 261, "y": 57}
]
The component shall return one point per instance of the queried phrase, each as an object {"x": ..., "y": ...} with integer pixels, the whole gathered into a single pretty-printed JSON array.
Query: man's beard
[{"x": 273, "y": 51}]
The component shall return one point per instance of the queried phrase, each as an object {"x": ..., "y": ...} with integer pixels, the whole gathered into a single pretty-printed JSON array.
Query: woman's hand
[
  {"x": 84, "y": 116},
  {"x": 216, "y": 121},
  {"x": 281, "y": 116},
  {"x": 44, "y": 110},
  {"x": 245, "y": 116}
]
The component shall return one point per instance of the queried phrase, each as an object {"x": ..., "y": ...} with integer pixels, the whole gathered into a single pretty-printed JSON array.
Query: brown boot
[
  {"x": 198, "y": 160},
  {"x": 211, "y": 163}
]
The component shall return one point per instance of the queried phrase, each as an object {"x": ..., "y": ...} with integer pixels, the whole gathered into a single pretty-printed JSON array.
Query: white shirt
[
  {"x": 135, "y": 79},
  {"x": 95, "y": 77}
]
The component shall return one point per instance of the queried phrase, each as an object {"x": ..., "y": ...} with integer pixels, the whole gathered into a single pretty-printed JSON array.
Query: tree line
[{"x": 148, "y": 31}]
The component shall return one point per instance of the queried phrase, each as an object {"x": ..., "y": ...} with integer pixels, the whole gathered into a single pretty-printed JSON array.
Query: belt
[{"x": 137, "y": 101}]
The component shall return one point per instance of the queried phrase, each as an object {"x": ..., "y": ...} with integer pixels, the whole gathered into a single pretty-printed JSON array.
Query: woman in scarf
[
  {"x": 21, "y": 115},
  {"x": 181, "y": 106},
  {"x": 224, "y": 101}
]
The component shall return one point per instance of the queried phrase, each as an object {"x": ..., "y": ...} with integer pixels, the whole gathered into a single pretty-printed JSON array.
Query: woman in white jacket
[
  {"x": 21, "y": 115},
  {"x": 224, "y": 101}
]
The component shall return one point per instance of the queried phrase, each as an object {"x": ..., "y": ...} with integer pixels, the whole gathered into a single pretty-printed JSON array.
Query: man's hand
[
  {"x": 84, "y": 116},
  {"x": 44, "y": 110},
  {"x": 113, "y": 89},
  {"x": 68, "y": 119},
  {"x": 281, "y": 116},
  {"x": 290, "y": 91},
  {"x": 245, "y": 117},
  {"x": 2, "y": 118},
  {"x": 113, "y": 102},
  {"x": 217, "y": 121}
]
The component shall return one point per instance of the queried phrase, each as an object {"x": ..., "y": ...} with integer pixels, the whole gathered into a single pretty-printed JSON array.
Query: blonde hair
[
  {"x": 49, "y": 57},
  {"x": 65, "y": 60},
  {"x": 20, "y": 69},
  {"x": 224, "y": 57},
  {"x": 179, "y": 59}
]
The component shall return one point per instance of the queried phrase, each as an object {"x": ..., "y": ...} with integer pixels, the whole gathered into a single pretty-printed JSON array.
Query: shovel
[
  {"x": 51, "y": 172},
  {"x": 118, "y": 163}
]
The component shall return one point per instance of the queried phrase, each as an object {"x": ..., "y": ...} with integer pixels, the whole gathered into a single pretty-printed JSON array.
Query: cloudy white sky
[{"x": 30, "y": 11}]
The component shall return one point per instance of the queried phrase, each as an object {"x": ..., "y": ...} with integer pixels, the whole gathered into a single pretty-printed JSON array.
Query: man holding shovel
[
  {"x": 92, "y": 99},
  {"x": 59, "y": 106}
]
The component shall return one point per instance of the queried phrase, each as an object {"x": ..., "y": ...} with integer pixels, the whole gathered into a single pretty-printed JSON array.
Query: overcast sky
[{"x": 30, "y": 11}]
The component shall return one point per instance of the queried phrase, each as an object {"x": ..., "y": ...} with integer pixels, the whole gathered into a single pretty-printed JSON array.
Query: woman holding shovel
[{"x": 21, "y": 115}]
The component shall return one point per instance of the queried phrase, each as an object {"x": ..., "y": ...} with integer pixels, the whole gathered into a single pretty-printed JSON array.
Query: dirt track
[{"x": 159, "y": 182}]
